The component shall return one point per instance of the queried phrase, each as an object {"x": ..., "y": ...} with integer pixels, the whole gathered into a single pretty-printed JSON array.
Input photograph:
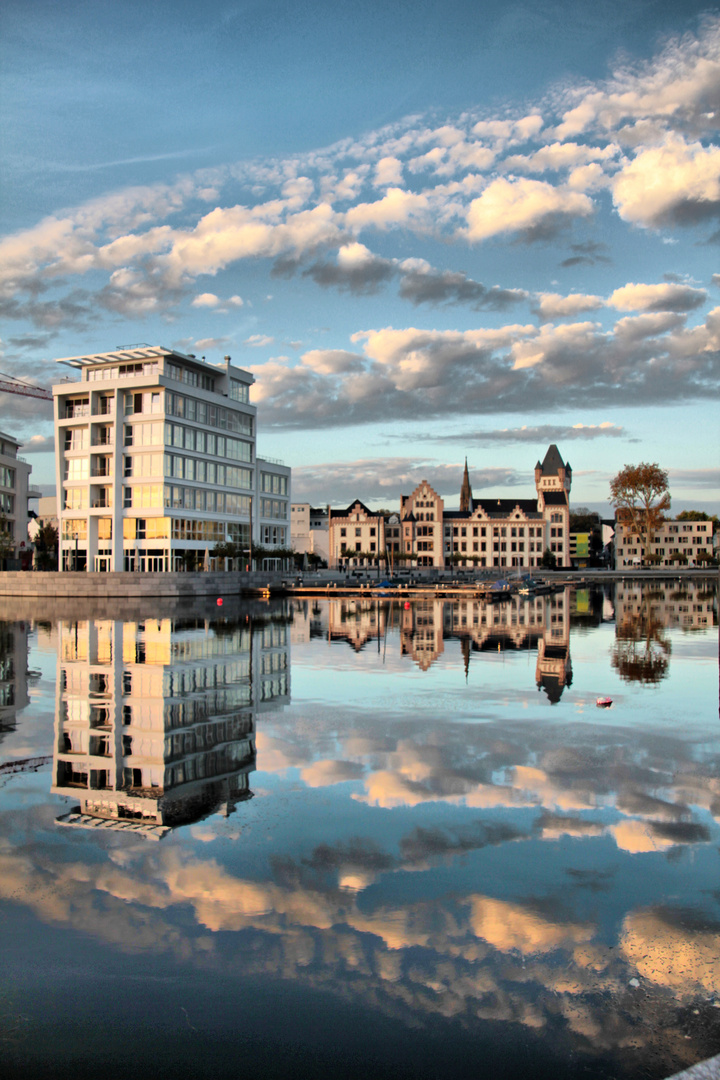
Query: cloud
[
  {"x": 257, "y": 341},
  {"x": 324, "y": 773},
  {"x": 388, "y": 172},
  {"x": 555, "y": 306},
  {"x": 383, "y": 480},
  {"x": 206, "y": 299},
  {"x": 587, "y": 253},
  {"x": 558, "y": 156},
  {"x": 397, "y": 207},
  {"x": 696, "y": 478},
  {"x": 678, "y": 88},
  {"x": 39, "y": 444},
  {"x": 673, "y": 184},
  {"x": 662, "y": 297},
  {"x": 356, "y": 270},
  {"x": 422, "y": 284},
  {"x": 359, "y": 271},
  {"x": 412, "y": 373},
  {"x": 536, "y": 436},
  {"x": 532, "y": 208}
]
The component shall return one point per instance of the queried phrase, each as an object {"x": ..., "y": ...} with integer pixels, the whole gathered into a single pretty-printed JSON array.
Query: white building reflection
[
  {"x": 13, "y": 672},
  {"x": 155, "y": 720}
]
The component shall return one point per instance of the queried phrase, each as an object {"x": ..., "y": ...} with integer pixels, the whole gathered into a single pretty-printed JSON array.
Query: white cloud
[
  {"x": 388, "y": 172},
  {"x": 206, "y": 299},
  {"x": 676, "y": 183},
  {"x": 555, "y": 306},
  {"x": 397, "y": 207},
  {"x": 661, "y": 297},
  {"x": 258, "y": 340},
  {"x": 521, "y": 206}
]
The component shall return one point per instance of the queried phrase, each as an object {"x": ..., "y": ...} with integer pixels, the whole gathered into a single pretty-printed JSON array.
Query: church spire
[{"x": 466, "y": 496}]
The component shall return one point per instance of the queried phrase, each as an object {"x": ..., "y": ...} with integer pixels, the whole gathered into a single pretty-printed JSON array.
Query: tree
[
  {"x": 7, "y": 544},
  {"x": 641, "y": 496},
  {"x": 642, "y": 648},
  {"x": 46, "y": 547},
  {"x": 549, "y": 560},
  {"x": 700, "y": 515}
]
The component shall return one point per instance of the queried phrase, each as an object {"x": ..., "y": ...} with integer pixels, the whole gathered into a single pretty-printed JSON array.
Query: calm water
[{"x": 362, "y": 838}]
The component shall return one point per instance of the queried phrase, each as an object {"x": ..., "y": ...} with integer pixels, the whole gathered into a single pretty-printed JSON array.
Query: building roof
[
  {"x": 555, "y": 498},
  {"x": 351, "y": 508},
  {"x": 552, "y": 462},
  {"x": 133, "y": 352}
]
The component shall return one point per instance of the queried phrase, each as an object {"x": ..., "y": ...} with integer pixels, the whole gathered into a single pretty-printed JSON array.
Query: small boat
[{"x": 603, "y": 702}]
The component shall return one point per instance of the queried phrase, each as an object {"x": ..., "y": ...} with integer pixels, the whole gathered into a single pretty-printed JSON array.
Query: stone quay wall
[{"x": 134, "y": 586}]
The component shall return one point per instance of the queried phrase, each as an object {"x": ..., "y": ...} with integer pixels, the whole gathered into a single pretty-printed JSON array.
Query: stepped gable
[{"x": 353, "y": 508}]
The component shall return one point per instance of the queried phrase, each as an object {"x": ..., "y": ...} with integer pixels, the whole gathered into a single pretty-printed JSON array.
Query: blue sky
[{"x": 430, "y": 230}]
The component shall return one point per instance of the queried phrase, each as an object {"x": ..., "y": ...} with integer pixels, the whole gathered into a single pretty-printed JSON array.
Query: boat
[{"x": 603, "y": 702}]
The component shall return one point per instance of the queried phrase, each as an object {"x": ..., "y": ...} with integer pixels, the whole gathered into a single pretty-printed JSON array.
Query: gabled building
[
  {"x": 490, "y": 533},
  {"x": 354, "y": 535}
]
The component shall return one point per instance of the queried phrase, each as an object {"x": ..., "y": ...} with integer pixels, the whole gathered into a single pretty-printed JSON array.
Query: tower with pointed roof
[
  {"x": 553, "y": 479},
  {"x": 466, "y": 496}
]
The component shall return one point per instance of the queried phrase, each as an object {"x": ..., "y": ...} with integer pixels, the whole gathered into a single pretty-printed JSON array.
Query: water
[{"x": 362, "y": 837}]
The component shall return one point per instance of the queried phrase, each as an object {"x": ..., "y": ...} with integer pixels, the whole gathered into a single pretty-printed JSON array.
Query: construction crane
[{"x": 10, "y": 385}]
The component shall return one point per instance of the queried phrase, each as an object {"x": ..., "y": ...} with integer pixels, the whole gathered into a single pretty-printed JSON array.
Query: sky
[{"x": 431, "y": 231}]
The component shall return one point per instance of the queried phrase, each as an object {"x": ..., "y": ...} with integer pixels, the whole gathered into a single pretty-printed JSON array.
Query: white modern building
[
  {"x": 156, "y": 463},
  {"x": 15, "y": 490},
  {"x": 309, "y": 530}
]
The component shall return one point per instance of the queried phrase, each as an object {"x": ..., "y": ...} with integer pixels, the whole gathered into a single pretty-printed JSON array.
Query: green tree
[
  {"x": 548, "y": 561},
  {"x": 46, "y": 547},
  {"x": 7, "y": 544},
  {"x": 640, "y": 495},
  {"x": 700, "y": 515}
]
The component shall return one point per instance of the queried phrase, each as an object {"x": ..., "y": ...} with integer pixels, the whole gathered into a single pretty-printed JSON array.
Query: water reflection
[
  {"x": 155, "y": 720},
  {"x": 430, "y": 841}
]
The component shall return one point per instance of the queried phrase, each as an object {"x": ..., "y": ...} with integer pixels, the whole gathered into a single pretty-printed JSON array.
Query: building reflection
[
  {"x": 155, "y": 720},
  {"x": 13, "y": 673},
  {"x": 425, "y": 624}
]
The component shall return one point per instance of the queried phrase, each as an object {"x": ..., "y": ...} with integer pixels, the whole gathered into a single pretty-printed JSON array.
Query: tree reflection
[{"x": 642, "y": 648}]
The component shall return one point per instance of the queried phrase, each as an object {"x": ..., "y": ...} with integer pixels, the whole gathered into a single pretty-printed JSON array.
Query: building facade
[
  {"x": 15, "y": 490},
  {"x": 673, "y": 543},
  {"x": 484, "y": 533},
  {"x": 355, "y": 535},
  {"x": 156, "y": 463},
  {"x": 309, "y": 530}
]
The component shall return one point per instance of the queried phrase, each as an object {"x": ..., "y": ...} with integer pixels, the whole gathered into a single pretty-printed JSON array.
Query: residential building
[
  {"x": 355, "y": 535},
  {"x": 673, "y": 543},
  {"x": 156, "y": 463},
  {"x": 15, "y": 490},
  {"x": 309, "y": 534}
]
